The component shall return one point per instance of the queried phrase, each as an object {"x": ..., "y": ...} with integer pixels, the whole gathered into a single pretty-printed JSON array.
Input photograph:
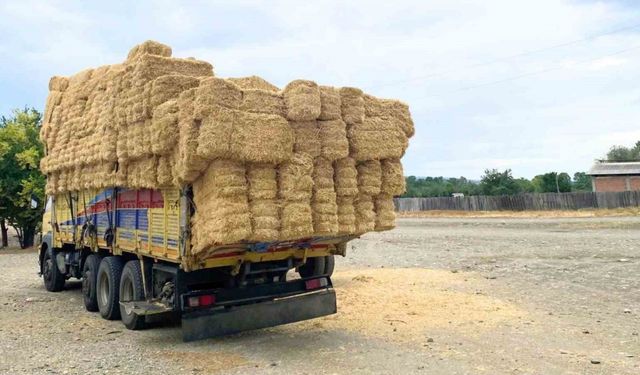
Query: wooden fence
[{"x": 522, "y": 202}]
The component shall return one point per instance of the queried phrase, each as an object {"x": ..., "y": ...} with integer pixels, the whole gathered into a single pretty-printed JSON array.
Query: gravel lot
[{"x": 434, "y": 296}]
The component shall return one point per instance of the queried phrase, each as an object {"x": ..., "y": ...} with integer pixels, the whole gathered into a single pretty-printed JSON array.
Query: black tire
[
  {"x": 53, "y": 278},
  {"x": 329, "y": 264},
  {"x": 89, "y": 280},
  {"x": 313, "y": 267},
  {"x": 132, "y": 289},
  {"x": 108, "y": 287}
]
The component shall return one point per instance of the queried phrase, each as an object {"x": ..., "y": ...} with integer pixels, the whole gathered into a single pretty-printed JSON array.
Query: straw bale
[
  {"x": 376, "y": 138},
  {"x": 323, "y": 174},
  {"x": 52, "y": 183},
  {"x": 149, "y": 67},
  {"x": 169, "y": 87},
  {"x": 228, "y": 221},
  {"x": 333, "y": 139},
  {"x": 109, "y": 142},
  {"x": 262, "y": 180},
  {"x": 295, "y": 181},
  {"x": 53, "y": 100},
  {"x": 261, "y": 138},
  {"x": 365, "y": 214},
  {"x": 385, "y": 212},
  {"x": 265, "y": 220},
  {"x": 390, "y": 109},
  {"x": 76, "y": 80},
  {"x": 135, "y": 140},
  {"x": 346, "y": 215},
  {"x": 151, "y": 47},
  {"x": 220, "y": 196},
  {"x": 58, "y": 83},
  {"x": 61, "y": 186},
  {"x": 352, "y": 105},
  {"x": 122, "y": 150},
  {"x": 296, "y": 221},
  {"x": 121, "y": 174},
  {"x": 369, "y": 177},
  {"x": 164, "y": 127},
  {"x": 214, "y": 139},
  {"x": 325, "y": 210},
  {"x": 330, "y": 104},
  {"x": 306, "y": 137},
  {"x": 262, "y": 101},
  {"x": 223, "y": 178},
  {"x": 165, "y": 171},
  {"x": 189, "y": 165},
  {"x": 262, "y": 192},
  {"x": 254, "y": 82},
  {"x": 141, "y": 174},
  {"x": 214, "y": 92},
  {"x": 393, "y": 182},
  {"x": 346, "y": 177},
  {"x": 302, "y": 99}
]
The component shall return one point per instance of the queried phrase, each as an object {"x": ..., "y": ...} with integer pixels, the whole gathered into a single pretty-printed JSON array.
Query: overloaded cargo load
[
  {"x": 265, "y": 164},
  {"x": 173, "y": 191}
]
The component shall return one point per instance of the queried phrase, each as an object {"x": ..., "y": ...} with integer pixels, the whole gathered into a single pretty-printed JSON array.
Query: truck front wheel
[
  {"x": 132, "y": 289},
  {"x": 53, "y": 278},
  {"x": 108, "y": 287}
]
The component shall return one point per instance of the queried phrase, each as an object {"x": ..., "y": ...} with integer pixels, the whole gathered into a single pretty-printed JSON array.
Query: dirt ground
[{"x": 434, "y": 296}]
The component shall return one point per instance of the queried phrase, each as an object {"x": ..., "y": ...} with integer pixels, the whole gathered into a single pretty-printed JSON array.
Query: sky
[{"x": 534, "y": 86}]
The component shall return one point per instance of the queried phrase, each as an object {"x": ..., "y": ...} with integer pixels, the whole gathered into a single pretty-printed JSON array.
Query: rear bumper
[{"x": 224, "y": 321}]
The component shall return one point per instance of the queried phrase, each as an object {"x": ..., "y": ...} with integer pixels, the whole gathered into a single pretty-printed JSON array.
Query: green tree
[
  {"x": 581, "y": 182},
  {"x": 552, "y": 182},
  {"x": 622, "y": 153},
  {"x": 494, "y": 182},
  {"x": 22, "y": 197},
  {"x": 525, "y": 186}
]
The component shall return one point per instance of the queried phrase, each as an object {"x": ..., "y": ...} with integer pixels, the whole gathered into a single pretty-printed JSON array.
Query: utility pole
[{"x": 557, "y": 184}]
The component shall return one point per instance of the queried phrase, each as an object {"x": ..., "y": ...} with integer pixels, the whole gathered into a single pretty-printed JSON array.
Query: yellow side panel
[{"x": 148, "y": 222}]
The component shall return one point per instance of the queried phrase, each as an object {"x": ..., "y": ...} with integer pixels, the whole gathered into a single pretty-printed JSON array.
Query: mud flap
[{"x": 201, "y": 325}]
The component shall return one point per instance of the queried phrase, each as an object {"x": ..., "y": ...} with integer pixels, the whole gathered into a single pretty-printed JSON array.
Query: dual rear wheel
[
  {"x": 109, "y": 281},
  {"x": 317, "y": 266}
]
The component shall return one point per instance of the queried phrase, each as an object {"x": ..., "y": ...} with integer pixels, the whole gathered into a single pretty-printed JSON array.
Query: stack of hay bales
[{"x": 265, "y": 164}]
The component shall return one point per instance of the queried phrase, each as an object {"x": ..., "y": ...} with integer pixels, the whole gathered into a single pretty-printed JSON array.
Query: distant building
[
  {"x": 615, "y": 176},
  {"x": 457, "y": 195}
]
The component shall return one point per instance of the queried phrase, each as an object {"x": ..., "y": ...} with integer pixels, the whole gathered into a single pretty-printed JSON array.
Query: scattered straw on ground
[
  {"x": 405, "y": 304},
  {"x": 204, "y": 362},
  {"x": 631, "y": 211}
]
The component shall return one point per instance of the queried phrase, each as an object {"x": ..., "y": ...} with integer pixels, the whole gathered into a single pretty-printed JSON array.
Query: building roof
[{"x": 609, "y": 169}]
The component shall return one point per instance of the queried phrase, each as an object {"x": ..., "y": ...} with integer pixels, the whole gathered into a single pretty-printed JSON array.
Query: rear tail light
[
  {"x": 201, "y": 301},
  {"x": 207, "y": 300},
  {"x": 316, "y": 283}
]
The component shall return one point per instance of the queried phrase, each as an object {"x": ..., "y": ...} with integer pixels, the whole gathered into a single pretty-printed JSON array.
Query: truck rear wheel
[
  {"x": 53, "y": 278},
  {"x": 313, "y": 267},
  {"x": 89, "y": 280},
  {"x": 108, "y": 287},
  {"x": 132, "y": 289},
  {"x": 329, "y": 264}
]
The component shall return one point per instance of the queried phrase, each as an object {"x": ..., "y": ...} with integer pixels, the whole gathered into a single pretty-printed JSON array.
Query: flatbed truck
[{"x": 131, "y": 249}]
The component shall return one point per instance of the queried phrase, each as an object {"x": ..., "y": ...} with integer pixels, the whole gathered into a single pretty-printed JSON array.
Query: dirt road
[{"x": 434, "y": 296}]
